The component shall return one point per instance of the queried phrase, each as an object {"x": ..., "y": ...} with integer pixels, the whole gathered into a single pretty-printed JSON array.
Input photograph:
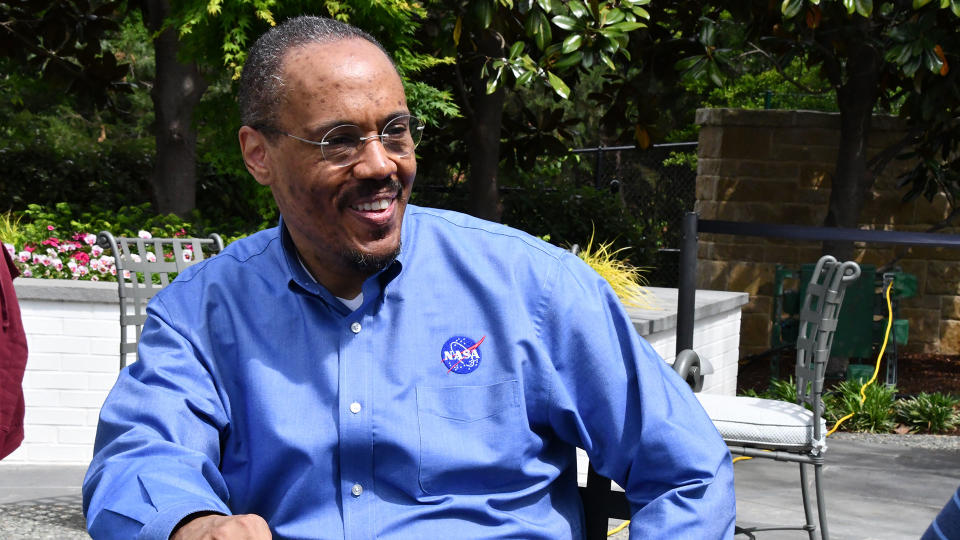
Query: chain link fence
[{"x": 656, "y": 185}]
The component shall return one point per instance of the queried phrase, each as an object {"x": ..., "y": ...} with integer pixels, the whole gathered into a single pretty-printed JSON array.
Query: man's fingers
[{"x": 218, "y": 527}]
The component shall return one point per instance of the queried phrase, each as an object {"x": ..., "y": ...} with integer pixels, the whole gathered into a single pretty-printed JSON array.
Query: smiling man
[{"x": 370, "y": 369}]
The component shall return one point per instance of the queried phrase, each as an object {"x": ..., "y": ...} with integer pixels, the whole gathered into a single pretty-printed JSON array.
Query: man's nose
[{"x": 373, "y": 160}]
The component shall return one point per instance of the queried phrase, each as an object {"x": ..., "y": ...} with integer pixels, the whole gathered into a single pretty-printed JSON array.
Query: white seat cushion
[{"x": 762, "y": 422}]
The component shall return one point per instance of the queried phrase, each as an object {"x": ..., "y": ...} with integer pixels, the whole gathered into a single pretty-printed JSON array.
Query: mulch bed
[{"x": 916, "y": 372}]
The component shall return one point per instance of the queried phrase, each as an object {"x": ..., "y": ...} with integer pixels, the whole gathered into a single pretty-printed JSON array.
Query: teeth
[{"x": 377, "y": 205}]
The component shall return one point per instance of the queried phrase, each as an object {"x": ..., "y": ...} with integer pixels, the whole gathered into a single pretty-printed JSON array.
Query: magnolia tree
[{"x": 878, "y": 56}]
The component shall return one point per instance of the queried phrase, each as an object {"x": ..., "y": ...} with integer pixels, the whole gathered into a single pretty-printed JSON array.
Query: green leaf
[
  {"x": 606, "y": 60},
  {"x": 917, "y": 4},
  {"x": 790, "y": 8},
  {"x": 708, "y": 33},
  {"x": 955, "y": 7},
  {"x": 614, "y": 16},
  {"x": 932, "y": 61},
  {"x": 627, "y": 26},
  {"x": 483, "y": 11},
  {"x": 516, "y": 49},
  {"x": 538, "y": 27},
  {"x": 572, "y": 43},
  {"x": 577, "y": 9},
  {"x": 558, "y": 85},
  {"x": 850, "y": 5},
  {"x": 640, "y": 12},
  {"x": 687, "y": 63},
  {"x": 568, "y": 60},
  {"x": 494, "y": 84},
  {"x": 864, "y": 7},
  {"x": 565, "y": 22},
  {"x": 525, "y": 78},
  {"x": 544, "y": 5}
]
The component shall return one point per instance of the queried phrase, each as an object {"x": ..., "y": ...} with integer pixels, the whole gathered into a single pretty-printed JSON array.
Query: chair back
[
  {"x": 144, "y": 267},
  {"x": 818, "y": 323}
]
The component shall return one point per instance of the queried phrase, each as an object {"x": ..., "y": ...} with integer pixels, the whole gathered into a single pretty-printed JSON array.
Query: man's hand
[{"x": 218, "y": 527}]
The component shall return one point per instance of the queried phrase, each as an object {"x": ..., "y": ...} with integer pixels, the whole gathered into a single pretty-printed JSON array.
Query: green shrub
[
  {"x": 875, "y": 415},
  {"x": 930, "y": 413}
]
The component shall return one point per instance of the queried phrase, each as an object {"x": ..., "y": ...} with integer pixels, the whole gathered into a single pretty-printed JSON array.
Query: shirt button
[
  {"x": 357, "y": 489},
  {"x": 355, "y": 328},
  {"x": 354, "y": 407}
]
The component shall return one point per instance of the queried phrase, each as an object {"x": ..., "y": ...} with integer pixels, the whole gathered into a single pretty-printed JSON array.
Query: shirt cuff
[{"x": 161, "y": 526}]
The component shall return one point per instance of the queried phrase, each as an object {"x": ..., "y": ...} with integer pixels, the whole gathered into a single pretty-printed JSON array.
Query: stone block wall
[{"x": 777, "y": 167}]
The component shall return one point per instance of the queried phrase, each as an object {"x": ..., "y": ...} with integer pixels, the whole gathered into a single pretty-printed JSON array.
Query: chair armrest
[{"x": 688, "y": 366}]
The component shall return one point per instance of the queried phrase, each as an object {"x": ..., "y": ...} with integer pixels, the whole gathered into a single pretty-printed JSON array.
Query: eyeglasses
[{"x": 341, "y": 146}]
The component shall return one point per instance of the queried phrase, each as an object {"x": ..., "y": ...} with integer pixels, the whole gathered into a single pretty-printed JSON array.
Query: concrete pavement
[{"x": 874, "y": 491}]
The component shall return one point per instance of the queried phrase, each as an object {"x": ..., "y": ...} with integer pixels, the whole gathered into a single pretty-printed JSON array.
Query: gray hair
[{"x": 261, "y": 83}]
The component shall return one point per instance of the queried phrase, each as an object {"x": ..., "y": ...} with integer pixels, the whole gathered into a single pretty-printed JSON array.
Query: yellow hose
[{"x": 876, "y": 370}]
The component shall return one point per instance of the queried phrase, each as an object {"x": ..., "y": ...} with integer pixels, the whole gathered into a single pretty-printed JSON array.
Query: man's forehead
[{"x": 340, "y": 58}]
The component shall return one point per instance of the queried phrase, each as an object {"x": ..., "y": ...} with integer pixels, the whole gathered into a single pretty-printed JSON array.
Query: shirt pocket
[{"x": 471, "y": 438}]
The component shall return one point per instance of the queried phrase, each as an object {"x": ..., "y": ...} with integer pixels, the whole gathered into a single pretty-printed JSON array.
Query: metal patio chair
[
  {"x": 791, "y": 432},
  {"x": 144, "y": 267}
]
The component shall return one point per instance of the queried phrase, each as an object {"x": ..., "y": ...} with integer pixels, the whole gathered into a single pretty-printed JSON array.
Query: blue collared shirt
[{"x": 449, "y": 404}]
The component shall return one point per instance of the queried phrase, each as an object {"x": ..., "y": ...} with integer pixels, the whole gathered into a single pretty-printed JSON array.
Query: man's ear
[{"x": 253, "y": 146}]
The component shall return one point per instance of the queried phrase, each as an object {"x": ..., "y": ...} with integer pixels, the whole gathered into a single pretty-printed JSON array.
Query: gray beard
[{"x": 368, "y": 264}]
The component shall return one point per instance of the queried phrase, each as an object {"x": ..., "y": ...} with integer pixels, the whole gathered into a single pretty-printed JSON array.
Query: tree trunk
[
  {"x": 484, "y": 137},
  {"x": 856, "y": 99},
  {"x": 176, "y": 92}
]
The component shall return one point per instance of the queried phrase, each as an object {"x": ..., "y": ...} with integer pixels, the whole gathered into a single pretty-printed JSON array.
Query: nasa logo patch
[{"x": 461, "y": 354}]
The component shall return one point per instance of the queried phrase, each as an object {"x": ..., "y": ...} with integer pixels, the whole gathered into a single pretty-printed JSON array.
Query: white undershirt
[{"x": 351, "y": 303}]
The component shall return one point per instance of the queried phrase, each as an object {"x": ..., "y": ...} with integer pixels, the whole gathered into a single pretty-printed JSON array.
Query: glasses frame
[{"x": 355, "y": 156}]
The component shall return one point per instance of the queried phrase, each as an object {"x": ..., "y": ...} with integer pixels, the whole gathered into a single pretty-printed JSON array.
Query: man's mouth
[{"x": 372, "y": 206}]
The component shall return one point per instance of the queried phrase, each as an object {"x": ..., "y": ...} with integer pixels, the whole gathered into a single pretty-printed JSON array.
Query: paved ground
[{"x": 874, "y": 492}]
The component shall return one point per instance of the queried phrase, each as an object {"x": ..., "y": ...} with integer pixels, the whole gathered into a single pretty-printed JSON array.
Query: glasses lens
[
  {"x": 340, "y": 144},
  {"x": 402, "y": 134}
]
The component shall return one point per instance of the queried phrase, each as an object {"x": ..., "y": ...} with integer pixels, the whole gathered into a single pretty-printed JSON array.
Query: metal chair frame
[
  {"x": 136, "y": 272},
  {"x": 818, "y": 323}
]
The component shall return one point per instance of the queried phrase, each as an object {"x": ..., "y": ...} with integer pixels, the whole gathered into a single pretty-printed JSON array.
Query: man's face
[{"x": 344, "y": 220}]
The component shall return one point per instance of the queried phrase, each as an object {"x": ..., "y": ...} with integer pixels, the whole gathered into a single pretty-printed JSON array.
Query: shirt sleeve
[
  {"x": 158, "y": 441},
  {"x": 638, "y": 421}
]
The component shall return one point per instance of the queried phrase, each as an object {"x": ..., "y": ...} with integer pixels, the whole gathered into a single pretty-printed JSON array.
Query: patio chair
[
  {"x": 782, "y": 431},
  {"x": 144, "y": 266}
]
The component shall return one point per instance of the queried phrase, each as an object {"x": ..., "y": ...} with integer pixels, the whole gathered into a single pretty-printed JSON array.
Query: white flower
[
  {"x": 27, "y": 272},
  {"x": 37, "y": 258},
  {"x": 135, "y": 257},
  {"x": 145, "y": 234},
  {"x": 51, "y": 252},
  {"x": 187, "y": 255},
  {"x": 11, "y": 250},
  {"x": 58, "y": 264},
  {"x": 94, "y": 278},
  {"x": 96, "y": 251},
  {"x": 72, "y": 265},
  {"x": 113, "y": 270},
  {"x": 126, "y": 274},
  {"x": 83, "y": 270},
  {"x": 151, "y": 257},
  {"x": 23, "y": 256},
  {"x": 90, "y": 239}
]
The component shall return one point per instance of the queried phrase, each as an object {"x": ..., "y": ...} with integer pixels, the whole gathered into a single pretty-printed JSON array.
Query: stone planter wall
[{"x": 777, "y": 167}]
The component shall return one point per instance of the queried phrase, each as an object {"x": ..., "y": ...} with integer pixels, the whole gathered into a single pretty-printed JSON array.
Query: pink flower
[
  {"x": 50, "y": 227},
  {"x": 81, "y": 257},
  {"x": 144, "y": 234},
  {"x": 52, "y": 241},
  {"x": 29, "y": 248},
  {"x": 23, "y": 256},
  {"x": 96, "y": 250},
  {"x": 90, "y": 239}
]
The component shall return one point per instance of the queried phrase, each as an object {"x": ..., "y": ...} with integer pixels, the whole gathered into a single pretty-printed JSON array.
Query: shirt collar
[{"x": 300, "y": 279}]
